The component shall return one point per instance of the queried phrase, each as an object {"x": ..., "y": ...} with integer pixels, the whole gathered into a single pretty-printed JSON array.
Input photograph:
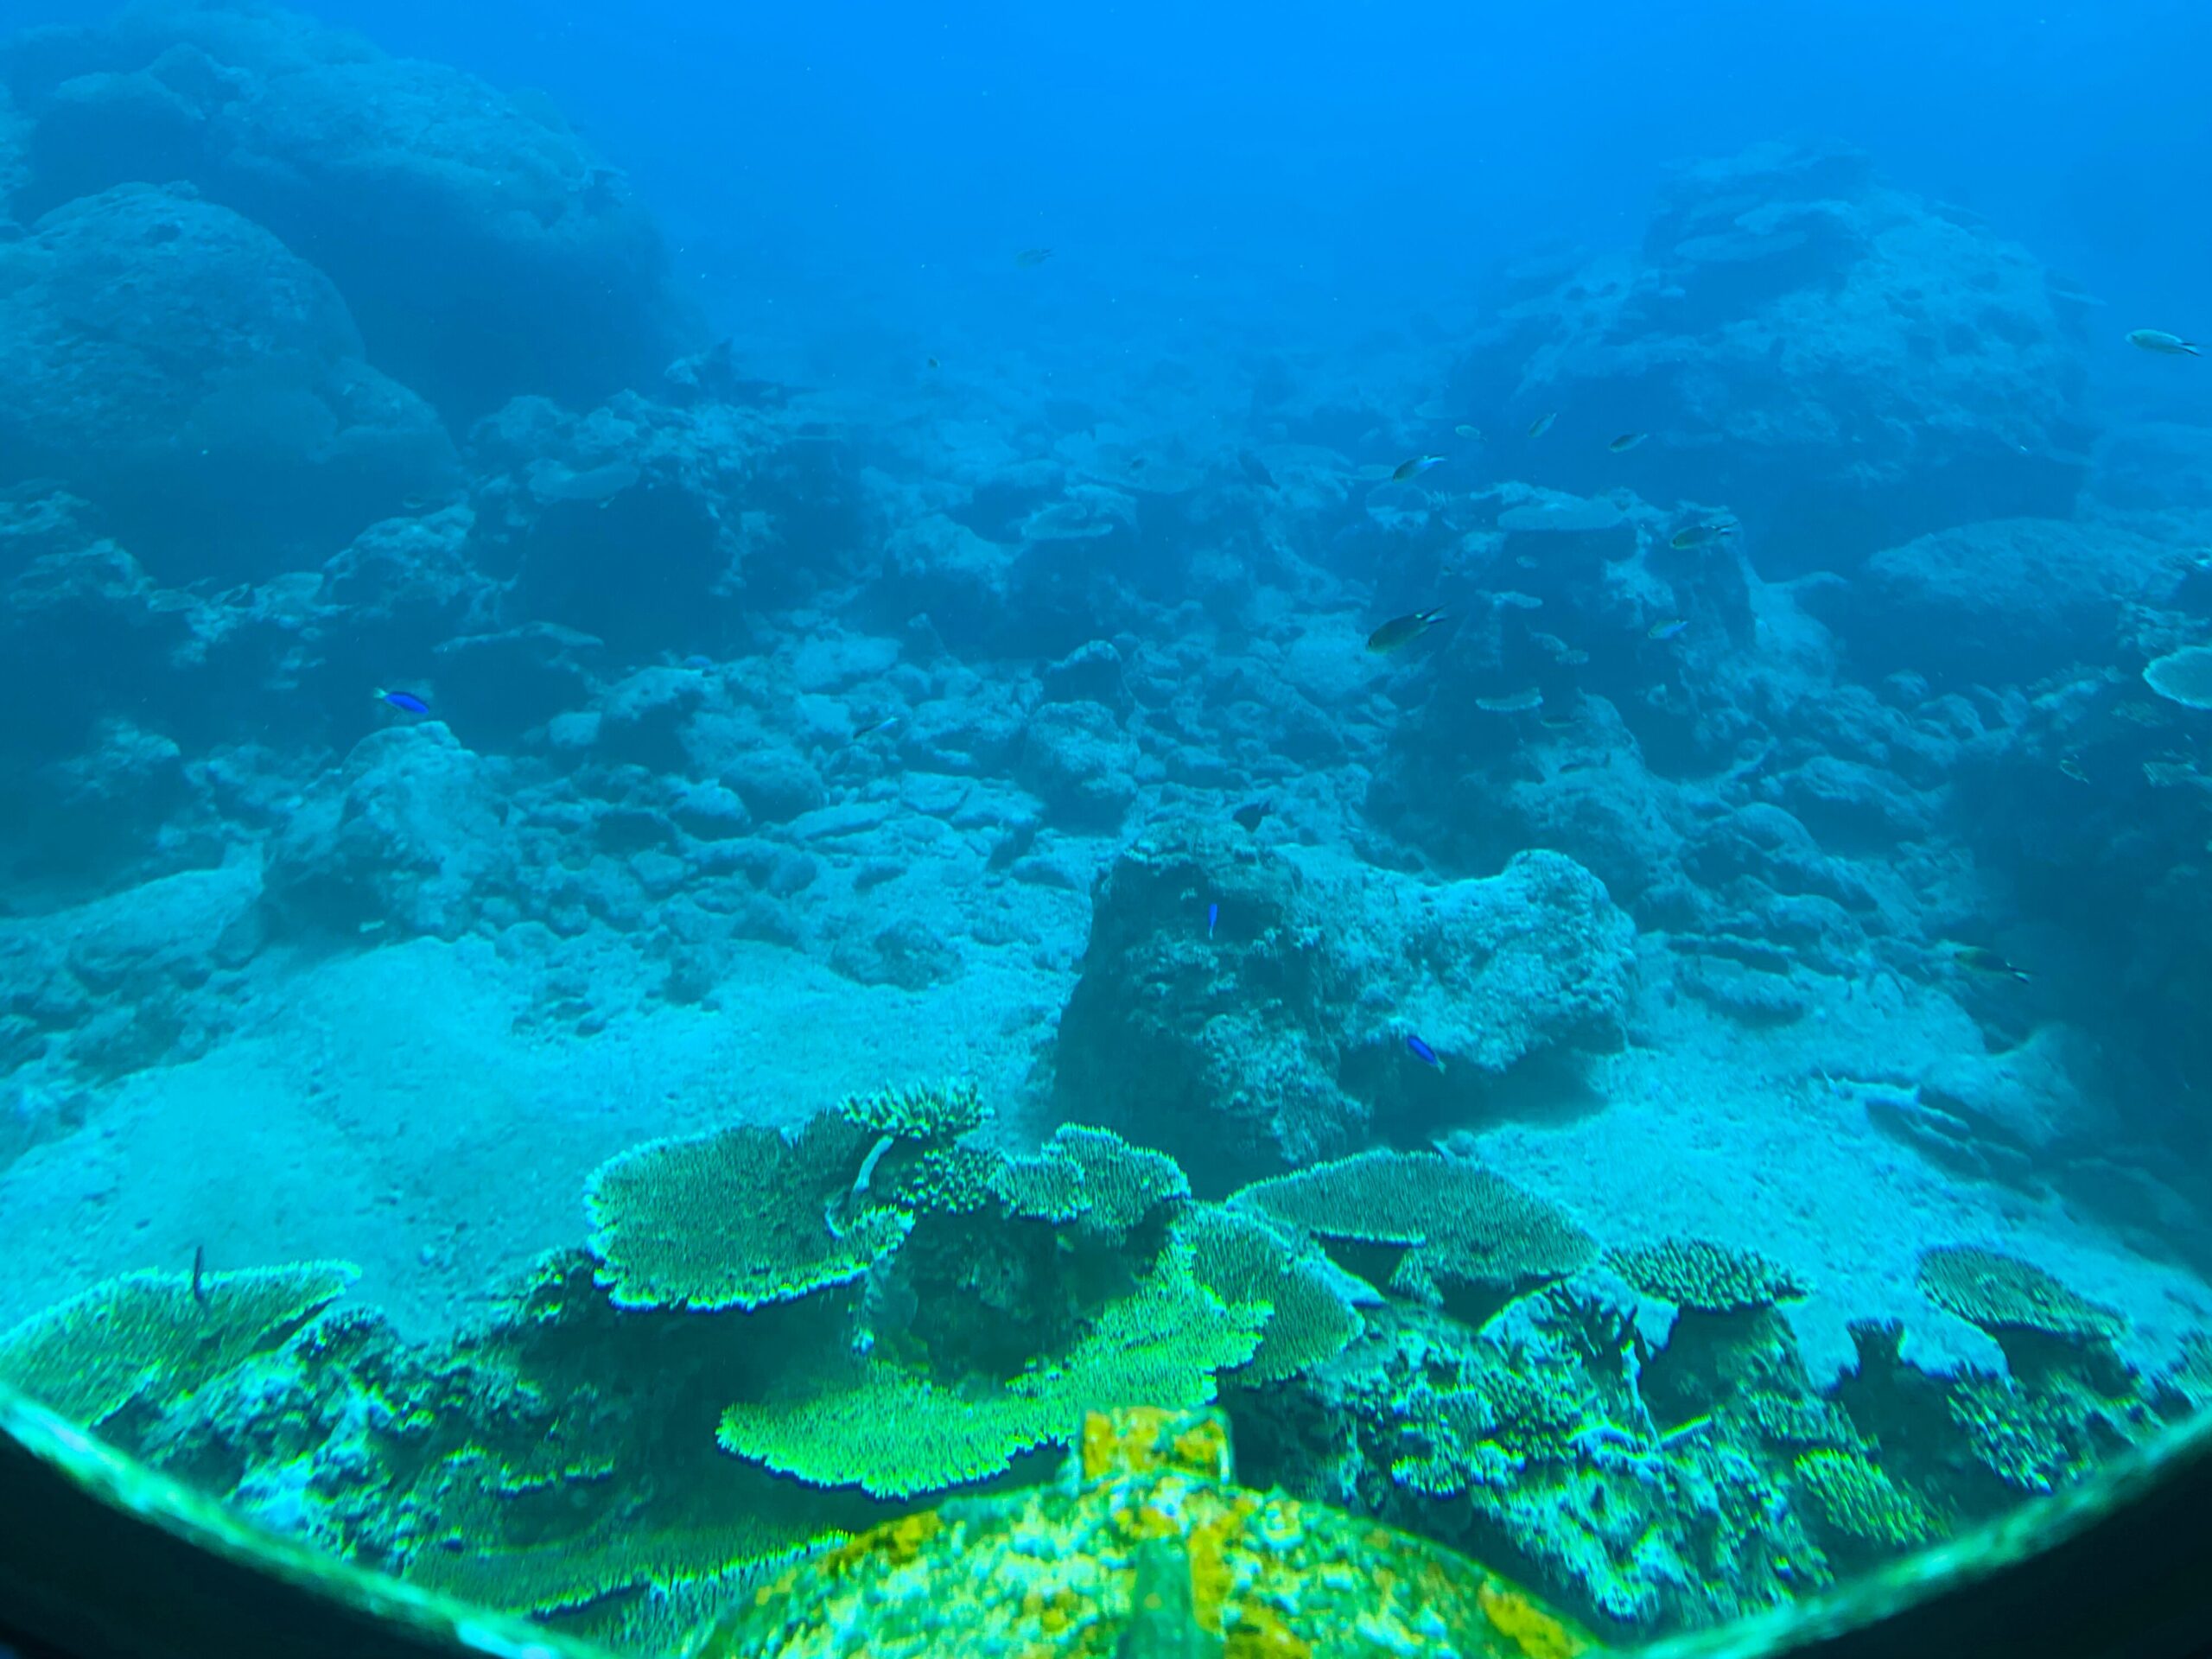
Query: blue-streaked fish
[
  {"x": 1541, "y": 424},
  {"x": 1702, "y": 534},
  {"x": 2157, "y": 340},
  {"x": 1423, "y": 1053},
  {"x": 1414, "y": 468},
  {"x": 1672, "y": 628},
  {"x": 1402, "y": 631},
  {"x": 1030, "y": 259},
  {"x": 1981, "y": 959},
  {"x": 1626, "y": 441},
  {"x": 406, "y": 701}
]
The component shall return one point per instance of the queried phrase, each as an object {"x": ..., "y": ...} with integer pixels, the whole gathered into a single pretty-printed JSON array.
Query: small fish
[
  {"x": 1471, "y": 434},
  {"x": 1981, "y": 959},
  {"x": 1249, "y": 814},
  {"x": 199, "y": 1274},
  {"x": 1672, "y": 628},
  {"x": 933, "y": 363},
  {"x": 1137, "y": 464},
  {"x": 1573, "y": 658},
  {"x": 697, "y": 662},
  {"x": 1422, "y": 1052},
  {"x": 1402, "y": 631},
  {"x": 2157, "y": 339},
  {"x": 1030, "y": 259},
  {"x": 2072, "y": 768},
  {"x": 1515, "y": 702},
  {"x": 1626, "y": 441},
  {"x": 1540, "y": 425},
  {"x": 405, "y": 700},
  {"x": 1414, "y": 468},
  {"x": 1701, "y": 535},
  {"x": 875, "y": 726},
  {"x": 1213, "y": 915}
]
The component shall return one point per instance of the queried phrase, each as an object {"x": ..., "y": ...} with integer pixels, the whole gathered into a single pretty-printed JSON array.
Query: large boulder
[
  {"x": 2008, "y": 601},
  {"x": 177, "y": 364},
  {"x": 484, "y": 251},
  {"x": 1846, "y": 365},
  {"x": 1276, "y": 1035}
]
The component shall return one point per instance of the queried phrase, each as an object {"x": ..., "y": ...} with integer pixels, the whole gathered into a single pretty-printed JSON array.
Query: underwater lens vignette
[{"x": 1101, "y": 830}]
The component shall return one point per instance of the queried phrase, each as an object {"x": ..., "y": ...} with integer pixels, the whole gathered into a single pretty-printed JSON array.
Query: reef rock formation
[
  {"x": 484, "y": 251},
  {"x": 1276, "y": 1035},
  {"x": 1822, "y": 351},
  {"x": 204, "y": 385}
]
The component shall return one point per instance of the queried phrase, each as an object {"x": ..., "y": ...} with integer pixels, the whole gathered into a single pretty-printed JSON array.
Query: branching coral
[
  {"x": 739, "y": 1218},
  {"x": 149, "y": 1335},
  {"x": 1093, "y": 1178},
  {"x": 1713, "y": 1278},
  {"x": 926, "y": 1112},
  {"x": 2001, "y": 1292},
  {"x": 1246, "y": 1263},
  {"x": 1469, "y": 1226},
  {"x": 1857, "y": 1498}
]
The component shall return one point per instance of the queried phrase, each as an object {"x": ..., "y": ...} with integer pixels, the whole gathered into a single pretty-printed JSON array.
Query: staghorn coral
[
  {"x": 1091, "y": 1177},
  {"x": 2002, "y": 1292},
  {"x": 1468, "y": 1225},
  {"x": 1244, "y": 1261},
  {"x": 147, "y": 1336},
  {"x": 894, "y": 1432},
  {"x": 1857, "y": 1498},
  {"x": 925, "y": 1112},
  {"x": 2184, "y": 676},
  {"x": 1712, "y": 1278},
  {"x": 739, "y": 1218}
]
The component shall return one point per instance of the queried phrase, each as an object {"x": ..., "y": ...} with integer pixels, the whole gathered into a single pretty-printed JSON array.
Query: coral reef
[{"x": 560, "y": 1459}]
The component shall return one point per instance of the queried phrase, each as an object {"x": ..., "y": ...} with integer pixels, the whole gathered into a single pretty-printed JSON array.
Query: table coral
[
  {"x": 1999, "y": 1292},
  {"x": 1469, "y": 1226},
  {"x": 1712, "y": 1278},
  {"x": 739, "y": 1218},
  {"x": 160, "y": 1336}
]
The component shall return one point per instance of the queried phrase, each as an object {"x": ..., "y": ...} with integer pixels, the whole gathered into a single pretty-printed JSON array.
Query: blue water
[{"x": 1581, "y": 633}]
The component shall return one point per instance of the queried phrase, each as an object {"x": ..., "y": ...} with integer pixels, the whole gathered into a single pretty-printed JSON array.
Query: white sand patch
[{"x": 385, "y": 1108}]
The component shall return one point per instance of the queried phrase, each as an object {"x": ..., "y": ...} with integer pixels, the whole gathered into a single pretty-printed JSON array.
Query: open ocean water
[{"x": 749, "y": 750}]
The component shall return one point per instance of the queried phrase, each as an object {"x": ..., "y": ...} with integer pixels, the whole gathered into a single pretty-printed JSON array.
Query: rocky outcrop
[
  {"x": 177, "y": 364},
  {"x": 1275, "y": 1035},
  {"x": 1845, "y": 364}
]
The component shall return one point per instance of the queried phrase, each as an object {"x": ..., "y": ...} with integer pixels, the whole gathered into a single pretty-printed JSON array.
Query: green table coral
[
  {"x": 2000, "y": 1292},
  {"x": 1093, "y": 1178},
  {"x": 1696, "y": 1273},
  {"x": 1246, "y": 1263},
  {"x": 1468, "y": 1225},
  {"x": 160, "y": 1336},
  {"x": 894, "y": 1431},
  {"x": 739, "y": 1218}
]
